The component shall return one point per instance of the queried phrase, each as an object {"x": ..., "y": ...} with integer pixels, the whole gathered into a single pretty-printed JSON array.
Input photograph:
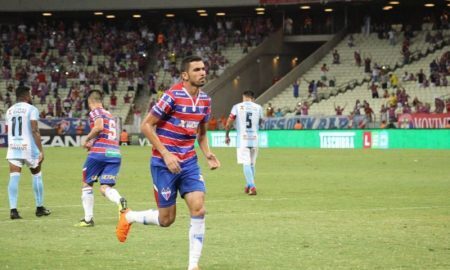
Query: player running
[
  {"x": 24, "y": 148},
  {"x": 103, "y": 161},
  {"x": 248, "y": 116},
  {"x": 173, "y": 124}
]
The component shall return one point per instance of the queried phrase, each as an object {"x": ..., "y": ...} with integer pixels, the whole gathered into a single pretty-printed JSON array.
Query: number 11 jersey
[{"x": 21, "y": 143}]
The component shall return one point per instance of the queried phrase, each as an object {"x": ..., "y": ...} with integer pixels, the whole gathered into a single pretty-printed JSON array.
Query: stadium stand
[{"x": 347, "y": 72}]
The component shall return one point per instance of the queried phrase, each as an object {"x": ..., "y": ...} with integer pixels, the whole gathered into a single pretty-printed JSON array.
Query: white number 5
[{"x": 112, "y": 135}]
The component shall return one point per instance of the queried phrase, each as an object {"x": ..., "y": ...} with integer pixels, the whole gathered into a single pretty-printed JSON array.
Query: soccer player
[
  {"x": 248, "y": 116},
  {"x": 173, "y": 124},
  {"x": 24, "y": 148},
  {"x": 103, "y": 161}
]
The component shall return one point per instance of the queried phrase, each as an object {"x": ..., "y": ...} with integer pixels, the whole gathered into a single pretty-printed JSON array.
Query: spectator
[
  {"x": 124, "y": 137},
  {"x": 391, "y": 35},
  {"x": 288, "y": 25},
  {"x": 295, "y": 88},
  {"x": 339, "y": 110},
  {"x": 127, "y": 98},
  {"x": 305, "y": 108},
  {"x": 374, "y": 90},
  {"x": 350, "y": 41},
  {"x": 368, "y": 111},
  {"x": 298, "y": 124},
  {"x": 336, "y": 57},
  {"x": 324, "y": 69},
  {"x": 113, "y": 101},
  {"x": 278, "y": 113},
  {"x": 421, "y": 78},
  {"x": 357, "y": 57},
  {"x": 269, "y": 110},
  {"x": 367, "y": 62}
]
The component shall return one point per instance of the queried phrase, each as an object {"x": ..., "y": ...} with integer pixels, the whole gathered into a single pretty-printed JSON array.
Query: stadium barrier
[{"x": 350, "y": 139}]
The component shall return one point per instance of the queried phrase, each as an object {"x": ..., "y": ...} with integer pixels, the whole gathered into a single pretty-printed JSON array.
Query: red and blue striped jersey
[
  {"x": 106, "y": 144},
  {"x": 180, "y": 115}
]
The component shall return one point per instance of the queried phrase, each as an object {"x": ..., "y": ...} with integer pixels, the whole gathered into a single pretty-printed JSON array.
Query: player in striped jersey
[
  {"x": 24, "y": 148},
  {"x": 103, "y": 161},
  {"x": 179, "y": 117},
  {"x": 248, "y": 116}
]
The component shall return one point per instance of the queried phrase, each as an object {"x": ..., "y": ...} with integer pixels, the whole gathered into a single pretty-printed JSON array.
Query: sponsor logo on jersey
[
  {"x": 188, "y": 124},
  {"x": 19, "y": 147},
  {"x": 166, "y": 192}
]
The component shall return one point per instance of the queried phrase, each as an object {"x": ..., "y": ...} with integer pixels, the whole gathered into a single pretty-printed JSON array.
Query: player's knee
[
  {"x": 200, "y": 212},
  {"x": 103, "y": 188},
  {"x": 166, "y": 221}
]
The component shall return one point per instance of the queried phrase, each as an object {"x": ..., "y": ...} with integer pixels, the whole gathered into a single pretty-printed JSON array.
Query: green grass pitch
[{"x": 315, "y": 209}]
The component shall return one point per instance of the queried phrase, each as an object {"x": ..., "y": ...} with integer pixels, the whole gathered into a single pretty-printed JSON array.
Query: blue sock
[
  {"x": 248, "y": 172},
  {"x": 38, "y": 188},
  {"x": 13, "y": 189},
  {"x": 254, "y": 172}
]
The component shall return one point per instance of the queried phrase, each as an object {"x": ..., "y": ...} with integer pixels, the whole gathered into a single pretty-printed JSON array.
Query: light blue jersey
[
  {"x": 21, "y": 143},
  {"x": 247, "y": 117}
]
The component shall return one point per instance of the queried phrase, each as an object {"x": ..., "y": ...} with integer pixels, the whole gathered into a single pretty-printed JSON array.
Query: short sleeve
[
  {"x": 95, "y": 114},
  {"x": 207, "y": 114},
  {"x": 164, "y": 106},
  {"x": 233, "y": 112},
  {"x": 34, "y": 114}
]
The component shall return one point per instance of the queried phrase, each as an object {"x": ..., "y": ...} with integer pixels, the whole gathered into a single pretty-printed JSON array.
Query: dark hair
[
  {"x": 22, "y": 91},
  {"x": 249, "y": 94},
  {"x": 187, "y": 60},
  {"x": 95, "y": 95}
]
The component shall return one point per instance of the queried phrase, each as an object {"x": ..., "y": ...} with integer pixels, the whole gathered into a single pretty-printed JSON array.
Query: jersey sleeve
[
  {"x": 34, "y": 114},
  {"x": 208, "y": 113},
  {"x": 233, "y": 112},
  {"x": 261, "y": 115},
  {"x": 95, "y": 114},
  {"x": 164, "y": 106}
]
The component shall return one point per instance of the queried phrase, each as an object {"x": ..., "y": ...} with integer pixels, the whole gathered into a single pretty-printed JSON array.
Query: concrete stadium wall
[
  {"x": 61, "y": 5},
  {"x": 249, "y": 73},
  {"x": 302, "y": 68}
]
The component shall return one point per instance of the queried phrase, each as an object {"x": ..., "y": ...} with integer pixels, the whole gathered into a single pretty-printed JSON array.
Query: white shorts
[
  {"x": 31, "y": 163},
  {"x": 247, "y": 155}
]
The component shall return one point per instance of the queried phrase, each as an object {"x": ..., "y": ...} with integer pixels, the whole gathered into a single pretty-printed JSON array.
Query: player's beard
[{"x": 199, "y": 84}]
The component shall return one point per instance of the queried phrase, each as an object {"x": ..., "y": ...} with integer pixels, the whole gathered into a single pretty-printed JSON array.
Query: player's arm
[
  {"x": 228, "y": 126},
  {"x": 202, "y": 139},
  {"x": 37, "y": 138},
  {"x": 148, "y": 127},
  {"x": 95, "y": 131}
]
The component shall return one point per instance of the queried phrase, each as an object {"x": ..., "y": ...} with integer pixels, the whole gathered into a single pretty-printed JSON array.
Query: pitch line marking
[{"x": 47, "y": 219}]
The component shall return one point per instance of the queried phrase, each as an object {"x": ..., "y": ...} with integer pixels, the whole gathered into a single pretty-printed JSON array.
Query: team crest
[{"x": 166, "y": 193}]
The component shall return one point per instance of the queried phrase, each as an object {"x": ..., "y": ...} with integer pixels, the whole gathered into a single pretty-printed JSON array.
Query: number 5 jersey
[{"x": 106, "y": 145}]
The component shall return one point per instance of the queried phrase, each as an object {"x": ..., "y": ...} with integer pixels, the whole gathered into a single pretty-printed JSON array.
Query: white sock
[
  {"x": 149, "y": 217},
  {"x": 196, "y": 236},
  {"x": 113, "y": 195},
  {"x": 87, "y": 198}
]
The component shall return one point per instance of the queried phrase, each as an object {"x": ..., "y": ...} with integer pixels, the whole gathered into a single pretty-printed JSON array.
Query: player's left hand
[{"x": 213, "y": 162}]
